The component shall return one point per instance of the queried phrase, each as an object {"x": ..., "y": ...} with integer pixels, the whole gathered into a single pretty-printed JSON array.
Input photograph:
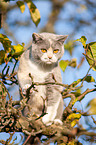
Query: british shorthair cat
[{"x": 41, "y": 61}]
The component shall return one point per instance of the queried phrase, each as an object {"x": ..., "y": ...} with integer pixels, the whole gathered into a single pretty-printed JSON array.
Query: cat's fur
[{"x": 42, "y": 66}]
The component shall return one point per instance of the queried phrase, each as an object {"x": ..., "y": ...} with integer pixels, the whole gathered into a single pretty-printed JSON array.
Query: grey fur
[{"x": 32, "y": 62}]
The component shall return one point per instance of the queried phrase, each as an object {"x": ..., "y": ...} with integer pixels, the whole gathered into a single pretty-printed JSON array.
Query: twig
[
  {"x": 52, "y": 83},
  {"x": 4, "y": 69},
  {"x": 86, "y": 92},
  {"x": 5, "y": 89},
  {"x": 27, "y": 139},
  {"x": 85, "y": 132},
  {"x": 93, "y": 119},
  {"x": 14, "y": 66}
]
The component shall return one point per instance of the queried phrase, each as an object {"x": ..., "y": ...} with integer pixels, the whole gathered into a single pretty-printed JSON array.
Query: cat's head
[{"x": 47, "y": 48}]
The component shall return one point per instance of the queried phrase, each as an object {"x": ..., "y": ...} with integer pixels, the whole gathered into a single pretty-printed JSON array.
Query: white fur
[
  {"x": 58, "y": 122},
  {"x": 51, "y": 113},
  {"x": 45, "y": 58}
]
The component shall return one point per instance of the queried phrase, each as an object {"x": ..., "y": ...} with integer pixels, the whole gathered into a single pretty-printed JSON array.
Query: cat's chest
[{"x": 37, "y": 73}]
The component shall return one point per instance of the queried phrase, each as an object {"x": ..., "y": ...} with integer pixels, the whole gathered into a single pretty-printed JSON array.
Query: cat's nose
[
  {"x": 50, "y": 57},
  {"x": 49, "y": 53}
]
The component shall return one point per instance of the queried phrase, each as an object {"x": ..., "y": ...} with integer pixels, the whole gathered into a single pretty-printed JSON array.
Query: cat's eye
[
  {"x": 56, "y": 51},
  {"x": 44, "y": 50}
]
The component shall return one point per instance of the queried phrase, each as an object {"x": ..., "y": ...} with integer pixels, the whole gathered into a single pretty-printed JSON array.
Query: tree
[{"x": 10, "y": 115}]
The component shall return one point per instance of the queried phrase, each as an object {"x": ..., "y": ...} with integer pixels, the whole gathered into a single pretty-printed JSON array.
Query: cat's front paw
[
  {"x": 58, "y": 122},
  {"x": 47, "y": 120},
  {"x": 25, "y": 88}
]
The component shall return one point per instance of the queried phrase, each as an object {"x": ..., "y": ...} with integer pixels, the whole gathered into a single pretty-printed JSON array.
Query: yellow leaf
[
  {"x": 71, "y": 143},
  {"x": 34, "y": 12},
  {"x": 73, "y": 62},
  {"x": 92, "y": 105},
  {"x": 19, "y": 49},
  {"x": 21, "y": 6},
  {"x": 74, "y": 122},
  {"x": 74, "y": 116}
]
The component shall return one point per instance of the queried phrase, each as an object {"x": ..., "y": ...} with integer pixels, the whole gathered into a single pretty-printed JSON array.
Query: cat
[{"x": 41, "y": 61}]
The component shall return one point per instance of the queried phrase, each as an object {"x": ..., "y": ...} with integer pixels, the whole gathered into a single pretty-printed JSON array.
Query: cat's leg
[
  {"x": 24, "y": 81},
  {"x": 59, "y": 114},
  {"x": 53, "y": 101},
  {"x": 52, "y": 107}
]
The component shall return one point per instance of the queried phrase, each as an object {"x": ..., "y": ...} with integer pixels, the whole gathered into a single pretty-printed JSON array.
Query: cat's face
[{"x": 47, "y": 48}]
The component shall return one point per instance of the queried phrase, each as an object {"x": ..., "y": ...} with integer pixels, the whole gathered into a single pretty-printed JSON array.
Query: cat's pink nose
[
  {"x": 49, "y": 53},
  {"x": 50, "y": 56}
]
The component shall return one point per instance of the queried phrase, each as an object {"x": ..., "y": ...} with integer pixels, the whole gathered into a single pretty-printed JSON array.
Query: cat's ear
[
  {"x": 36, "y": 37},
  {"x": 62, "y": 38}
]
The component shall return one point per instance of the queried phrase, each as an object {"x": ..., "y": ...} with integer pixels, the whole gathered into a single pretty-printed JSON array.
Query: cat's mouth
[{"x": 48, "y": 62}]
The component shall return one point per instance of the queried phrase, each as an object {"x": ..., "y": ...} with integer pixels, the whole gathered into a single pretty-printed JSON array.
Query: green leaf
[
  {"x": 83, "y": 40},
  {"x": 63, "y": 64},
  {"x": 34, "y": 12},
  {"x": 73, "y": 62},
  {"x": 89, "y": 79},
  {"x": 91, "y": 54},
  {"x": 77, "y": 94},
  {"x": 90, "y": 50},
  {"x": 21, "y": 6},
  {"x": 2, "y": 55},
  {"x": 76, "y": 82},
  {"x": 18, "y": 50},
  {"x": 5, "y": 42},
  {"x": 69, "y": 46}
]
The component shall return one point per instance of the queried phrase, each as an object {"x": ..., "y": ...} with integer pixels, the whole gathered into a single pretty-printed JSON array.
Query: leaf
[
  {"x": 83, "y": 40},
  {"x": 73, "y": 63},
  {"x": 92, "y": 104},
  {"x": 74, "y": 116},
  {"x": 89, "y": 79},
  {"x": 18, "y": 50},
  {"x": 21, "y": 6},
  {"x": 91, "y": 54},
  {"x": 69, "y": 46},
  {"x": 73, "y": 142},
  {"x": 63, "y": 64},
  {"x": 5, "y": 42},
  {"x": 34, "y": 12},
  {"x": 74, "y": 122},
  {"x": 2, "y": 55},
  {"x": 77, "y": 93},
  {"x": 90, "y": 50},
  {"x": 76, "y": 83}
]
